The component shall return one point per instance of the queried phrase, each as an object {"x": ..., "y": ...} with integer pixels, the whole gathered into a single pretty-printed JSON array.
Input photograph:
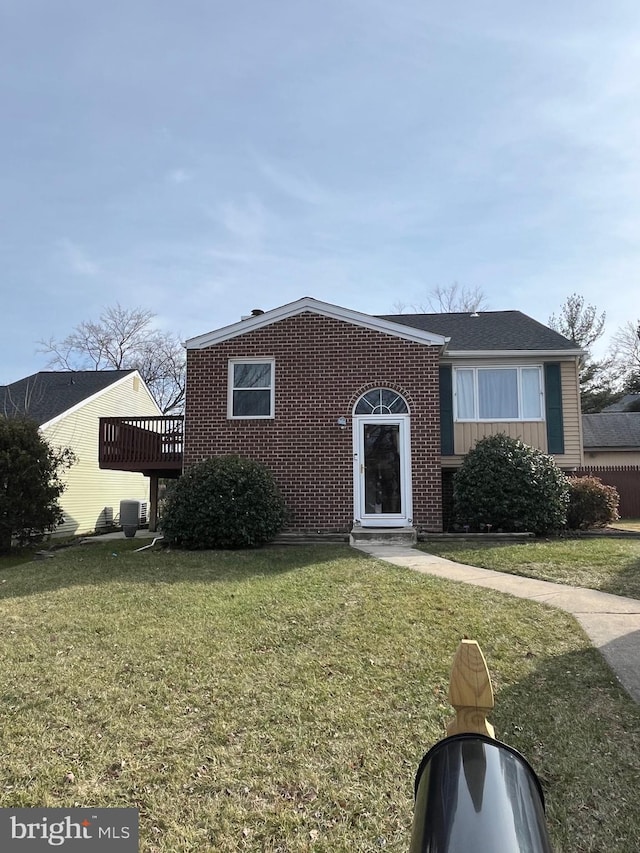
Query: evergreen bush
[
  {"x": 223, "y": 502},
  {"x": 30, "y": 482},
  {"x": 591, "y": 503},
  {"x": 510, "y": 486}
]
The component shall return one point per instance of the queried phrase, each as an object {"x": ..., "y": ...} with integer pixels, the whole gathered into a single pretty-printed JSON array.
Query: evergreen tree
[{"x": 30, "y": 482}]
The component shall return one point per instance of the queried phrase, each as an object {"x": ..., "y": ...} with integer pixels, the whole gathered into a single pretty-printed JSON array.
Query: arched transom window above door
[{"x": 381, "y": 401}]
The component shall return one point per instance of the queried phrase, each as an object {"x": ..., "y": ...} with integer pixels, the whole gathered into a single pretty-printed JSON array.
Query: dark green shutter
[
  {"x": 446, "y": 410},
  {"x": 553, "y": 405}
]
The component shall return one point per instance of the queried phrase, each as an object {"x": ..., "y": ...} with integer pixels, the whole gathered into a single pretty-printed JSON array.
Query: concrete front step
[
  {"x": 308, "y": 538},
  {"x": 372, "y": 535},
  {"x": 383, "y": 536}
]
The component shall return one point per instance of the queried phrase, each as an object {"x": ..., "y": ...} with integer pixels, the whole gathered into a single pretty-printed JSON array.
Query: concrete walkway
[
  {"x": 141, "y": 533},
  {"x": 610, "y": 621}
]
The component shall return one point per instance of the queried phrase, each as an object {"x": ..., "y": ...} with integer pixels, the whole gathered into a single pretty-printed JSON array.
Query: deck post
[{"x": 153, "y": 502}]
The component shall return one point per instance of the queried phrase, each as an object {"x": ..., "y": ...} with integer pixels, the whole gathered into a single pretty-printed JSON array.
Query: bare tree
[
  {"x": 20, "y": 401},
  {"x": 455, "y": 298},
  {"x": 581, "y": 323},
  {"x": 125, "y": 339},
  {"x": 578, "y": 322},
  {"x": 626, "y": 347}
]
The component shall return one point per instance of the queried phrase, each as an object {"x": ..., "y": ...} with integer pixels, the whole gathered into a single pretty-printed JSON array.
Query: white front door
[{"x": 382, "y": 471}]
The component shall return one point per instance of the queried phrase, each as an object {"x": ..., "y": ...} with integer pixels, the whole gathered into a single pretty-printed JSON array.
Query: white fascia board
[
  {"x": 95, "y": 396},
  {"x": 514, "y": 353},
  {"x": 324, "y": 309}
]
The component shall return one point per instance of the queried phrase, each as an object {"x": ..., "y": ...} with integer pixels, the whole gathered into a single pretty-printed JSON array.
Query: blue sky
[{"x": 205, "y": 157}]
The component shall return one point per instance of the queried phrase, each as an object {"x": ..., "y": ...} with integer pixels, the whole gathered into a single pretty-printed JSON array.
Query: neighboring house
[
  {"x": 612, "y": 454},
  {"x": 363, "y": 420},
  {"x": 67, "y": 406},
  {"x": 628, "y": 403},
  {"x": 611, "y": 438}
]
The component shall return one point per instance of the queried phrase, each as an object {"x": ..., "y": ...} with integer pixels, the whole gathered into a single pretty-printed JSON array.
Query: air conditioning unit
[{"x": 133, "y": 514}]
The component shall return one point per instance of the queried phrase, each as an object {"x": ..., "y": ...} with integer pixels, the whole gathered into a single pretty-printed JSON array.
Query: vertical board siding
[
  {"x": 92, "y": 495},
  {"x": 625, "y": 478},
  {"x": 322, "y": 367}
]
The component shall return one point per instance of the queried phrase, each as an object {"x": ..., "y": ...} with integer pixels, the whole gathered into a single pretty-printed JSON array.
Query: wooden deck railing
[{"x": 143, "y": 444}]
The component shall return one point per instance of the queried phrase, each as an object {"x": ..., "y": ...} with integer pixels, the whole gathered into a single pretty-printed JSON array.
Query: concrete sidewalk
[
  {"x": 610, "y": 621},
  {"x": 141, "y": 533}
]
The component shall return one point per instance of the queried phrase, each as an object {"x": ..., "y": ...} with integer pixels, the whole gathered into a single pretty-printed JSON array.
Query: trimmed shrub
[
  {"x": 223, "y": 502},
  {"x": 591, "y": 503},
  {"x": 511, "y": 486}
]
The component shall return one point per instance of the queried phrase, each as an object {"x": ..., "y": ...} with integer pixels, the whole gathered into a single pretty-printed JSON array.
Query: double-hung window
[
  {"x": 498, "y": 393},
  {"x": 251, "y": 388}
]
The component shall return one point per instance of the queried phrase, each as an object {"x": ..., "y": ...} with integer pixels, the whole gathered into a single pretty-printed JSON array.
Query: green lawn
[
  {"x": 628, "y": 524},
  {"x": 281, "y": 700},
  {"x": 608, "y": 563}
]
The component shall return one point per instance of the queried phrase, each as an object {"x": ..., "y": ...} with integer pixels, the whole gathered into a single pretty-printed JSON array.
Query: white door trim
[{"x": 361, "y": 517}]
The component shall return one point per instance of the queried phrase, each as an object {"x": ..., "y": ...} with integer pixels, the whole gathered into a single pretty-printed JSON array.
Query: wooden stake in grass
[{"x": 470, "y": 691}]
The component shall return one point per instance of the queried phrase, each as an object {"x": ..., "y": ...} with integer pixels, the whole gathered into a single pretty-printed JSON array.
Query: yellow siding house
[{"x": 68, "y": 406}]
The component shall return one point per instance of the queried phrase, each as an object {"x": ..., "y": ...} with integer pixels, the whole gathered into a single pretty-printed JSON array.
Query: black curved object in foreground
[{"x": 477, "y": 795}]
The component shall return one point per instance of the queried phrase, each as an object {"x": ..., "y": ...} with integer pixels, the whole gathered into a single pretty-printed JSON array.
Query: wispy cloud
[
  {"x": 341, "y": 150},
  {"x": 296, "y": 184},
  {"x": 76, "y": 258},
  {"x": 246, "y": 221},
  {"x": 179, "y": 176}
]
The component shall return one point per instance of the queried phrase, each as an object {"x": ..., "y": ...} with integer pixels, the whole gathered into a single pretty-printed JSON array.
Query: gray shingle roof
[
  {"x": 611, "y": 429},
  {"x": 47, "y": 394},
  {"x": 489, "y": 330},
  {"x": 623, "y": 404}
]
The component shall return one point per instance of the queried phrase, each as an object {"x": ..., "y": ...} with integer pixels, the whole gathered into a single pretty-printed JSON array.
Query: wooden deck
[{"x": 149, "y": 445}]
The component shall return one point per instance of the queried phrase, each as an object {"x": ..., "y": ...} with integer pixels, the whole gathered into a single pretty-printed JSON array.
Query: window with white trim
[
  {"x": 498, "y": 393},
  {"x": 381, "y": 401},
  {"x": 251, "y": 388}
]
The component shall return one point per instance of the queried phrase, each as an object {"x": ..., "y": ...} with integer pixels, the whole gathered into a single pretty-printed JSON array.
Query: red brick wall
[{"x": 322, "y": 366}]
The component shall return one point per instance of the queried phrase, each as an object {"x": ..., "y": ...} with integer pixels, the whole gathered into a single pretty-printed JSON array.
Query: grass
[
  {"x": 628, "y": 524},
  {"x": 281, "y": 700},
  {"x": 608, "y": 563}
]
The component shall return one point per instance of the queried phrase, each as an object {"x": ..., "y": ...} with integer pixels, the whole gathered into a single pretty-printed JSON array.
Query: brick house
[{"x": 363, "y": 420}]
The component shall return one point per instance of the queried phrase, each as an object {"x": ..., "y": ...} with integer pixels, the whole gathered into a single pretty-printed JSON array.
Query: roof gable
[
  {"x": 323, "y": 309},
  {"x": 49, "y": 394}
]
